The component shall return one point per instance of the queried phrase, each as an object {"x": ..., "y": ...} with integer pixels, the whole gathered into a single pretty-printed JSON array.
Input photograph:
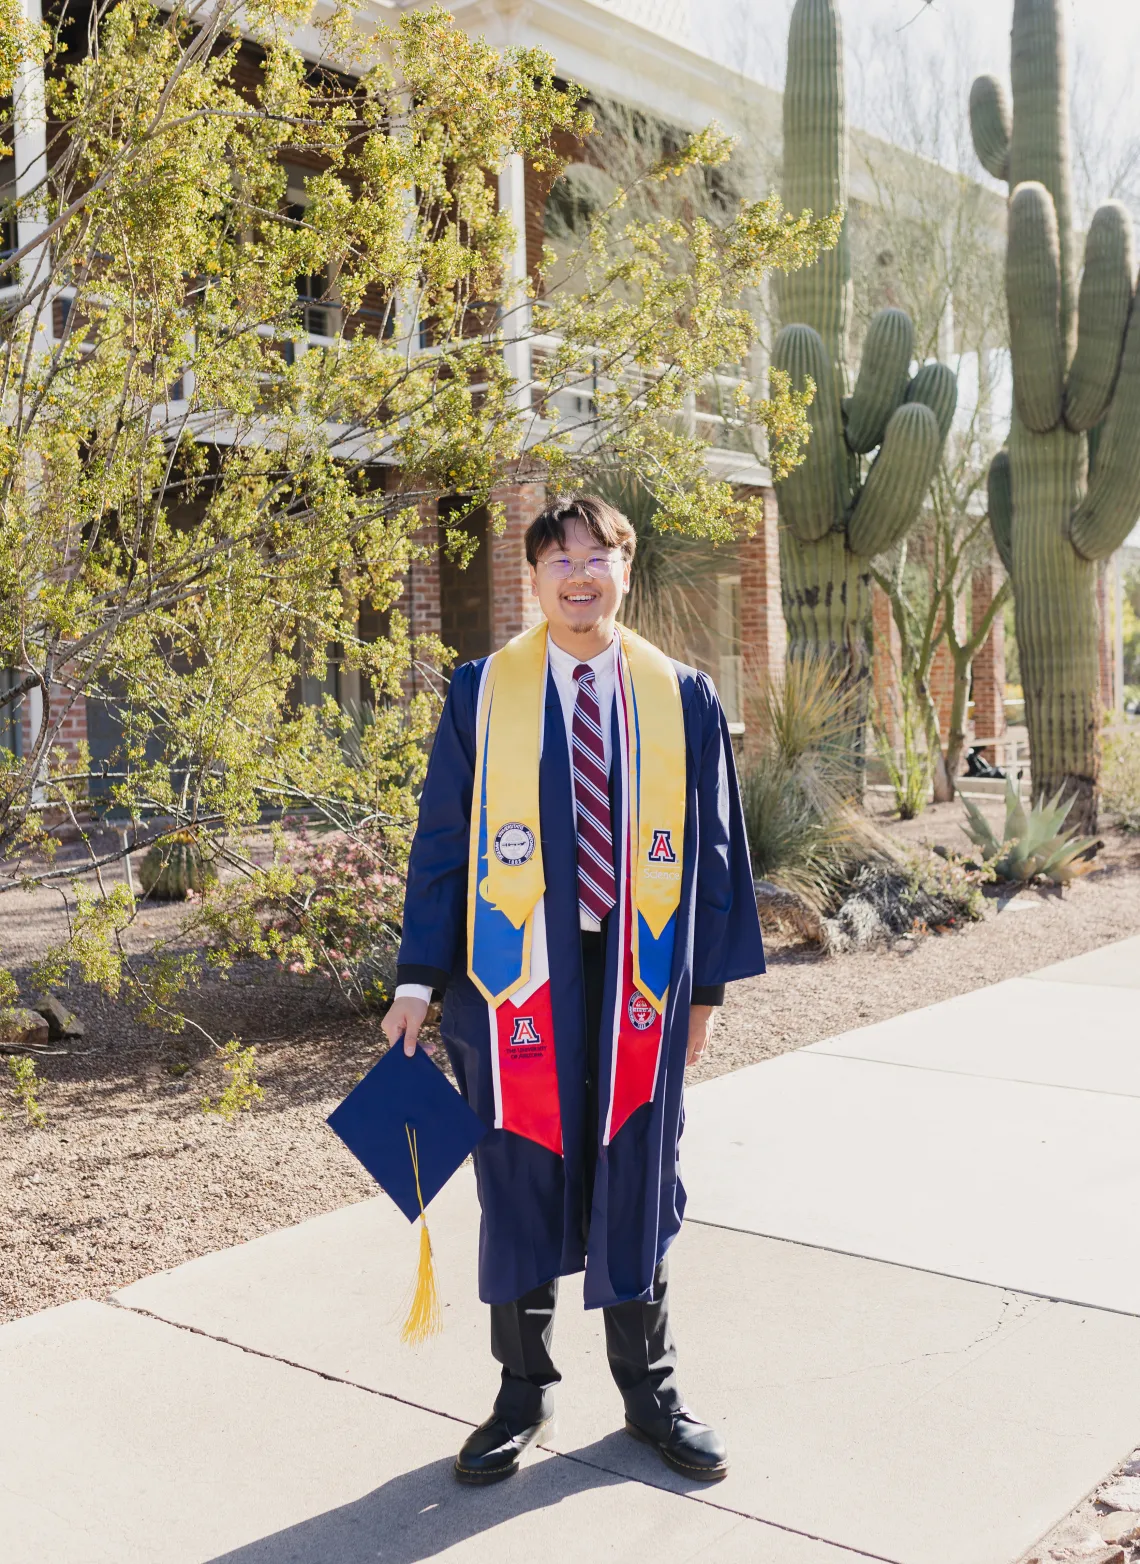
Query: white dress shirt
[{"x": 562, "y": 665}]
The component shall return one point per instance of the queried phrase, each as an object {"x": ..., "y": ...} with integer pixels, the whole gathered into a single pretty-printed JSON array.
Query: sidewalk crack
[{"x": 563, "y": 1455}]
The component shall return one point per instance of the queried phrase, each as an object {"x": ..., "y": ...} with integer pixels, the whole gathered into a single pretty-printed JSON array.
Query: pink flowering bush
[{"x": 329, "y": 903}]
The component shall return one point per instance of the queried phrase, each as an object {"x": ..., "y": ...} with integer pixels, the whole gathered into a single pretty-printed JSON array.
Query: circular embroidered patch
[
  {"x": 514, "y": 844},
  {"x": 641, "y": 1013}
]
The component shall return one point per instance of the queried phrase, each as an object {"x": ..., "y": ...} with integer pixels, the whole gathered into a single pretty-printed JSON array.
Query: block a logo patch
[
  {"x": 662, "y": 849},
  {"x": 524, "y": 1032},
  {"x": 514, "y": 843},
  {"x": 640, "y": 1012}
]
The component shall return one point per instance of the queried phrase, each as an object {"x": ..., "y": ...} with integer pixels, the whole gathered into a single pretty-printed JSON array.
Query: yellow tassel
[{"x": 425, "y": 1316}]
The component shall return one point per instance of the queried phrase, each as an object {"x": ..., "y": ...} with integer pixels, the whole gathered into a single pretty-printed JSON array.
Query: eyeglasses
[{"x": 598, "y": 566}]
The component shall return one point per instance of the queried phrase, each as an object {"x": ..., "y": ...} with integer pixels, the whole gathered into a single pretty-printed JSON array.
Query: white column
[
  {"x": 30, "y": 166},
  {"x": 516, "y": 322}
]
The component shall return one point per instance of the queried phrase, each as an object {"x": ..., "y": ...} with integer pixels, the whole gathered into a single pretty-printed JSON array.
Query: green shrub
[
  {"x": 26, "y": 1085},
  {"x": 920, "y": 895},
  {"x": 1120, "y": 781}
]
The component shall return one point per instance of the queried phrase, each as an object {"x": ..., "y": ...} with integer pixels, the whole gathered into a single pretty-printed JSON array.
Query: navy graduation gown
[{"x": 531, "y": 1198}]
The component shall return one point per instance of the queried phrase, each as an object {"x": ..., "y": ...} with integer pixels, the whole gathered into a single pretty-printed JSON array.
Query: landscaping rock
[
  {"x": 1122, "y": 1493},
  {"x": 1120, "y": 1526},
  {"x": 1076, "y": 1542},
  {"x": 61, "y": 1021},
  {"x": 21, "y": 1028}
]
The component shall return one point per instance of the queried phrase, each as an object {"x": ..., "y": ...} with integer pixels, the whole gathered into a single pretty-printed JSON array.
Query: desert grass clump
[{"x": 798, "y": 780}]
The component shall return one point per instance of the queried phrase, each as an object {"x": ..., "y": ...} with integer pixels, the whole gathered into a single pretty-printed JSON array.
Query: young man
[{"x": 580, "y": 887}]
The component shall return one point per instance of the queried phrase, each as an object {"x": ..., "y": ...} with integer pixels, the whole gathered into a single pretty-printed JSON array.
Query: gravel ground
[{"x": 130, "y": 1176}]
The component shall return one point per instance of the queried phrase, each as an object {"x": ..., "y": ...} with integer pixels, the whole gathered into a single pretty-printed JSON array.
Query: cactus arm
[
  {"x": 814, "y": 495},
  {"x": 999, "y": 488},
  {"x": 1033, "y": 292},
  {"x": 1039, "y": 145},
  {"x": 991, "y": 122},
  {"x": 898, "y": 480},
  {"x": 1105, "y": 299},
  {"x": 936, "y": 387},
  {"x": 882, "y": 381},
  {"x": 815, "y": 171},
  {"x": 1112, "y": 505}
]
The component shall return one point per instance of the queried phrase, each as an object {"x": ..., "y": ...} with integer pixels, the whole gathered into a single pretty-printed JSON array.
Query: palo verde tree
[
  {"x": 1067, "y": 492},
  {"x": 873, "y": 454},
  {"x": 225, "y": 402},
  {"x": 931, "y": 240}
]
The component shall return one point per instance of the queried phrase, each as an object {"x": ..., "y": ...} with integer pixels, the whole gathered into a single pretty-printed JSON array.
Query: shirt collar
[{"x": 567, "y": 662}]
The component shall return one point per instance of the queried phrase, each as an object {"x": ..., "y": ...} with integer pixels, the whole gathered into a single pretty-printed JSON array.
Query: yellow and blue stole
[{"x": 506, "y": 924}]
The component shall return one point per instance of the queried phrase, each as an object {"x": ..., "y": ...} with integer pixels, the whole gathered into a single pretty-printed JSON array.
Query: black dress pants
[{"x": 639, "y": 1343}]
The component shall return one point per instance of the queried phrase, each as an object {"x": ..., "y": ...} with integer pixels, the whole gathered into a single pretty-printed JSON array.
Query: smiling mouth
[{"x": 579, "y": 597}]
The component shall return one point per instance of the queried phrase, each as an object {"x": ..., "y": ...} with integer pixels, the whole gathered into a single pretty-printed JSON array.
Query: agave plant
[{"x": 1034, "y": 843}]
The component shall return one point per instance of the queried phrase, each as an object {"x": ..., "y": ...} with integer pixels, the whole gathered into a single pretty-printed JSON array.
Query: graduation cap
[{"x": 411, "y": 1129}]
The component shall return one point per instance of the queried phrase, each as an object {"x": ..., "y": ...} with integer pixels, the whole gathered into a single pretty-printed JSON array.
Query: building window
[
  {"x": 316, "y": 313},
  {"x": 465, "y": 593},
  {"x": 9, "y": 244}
]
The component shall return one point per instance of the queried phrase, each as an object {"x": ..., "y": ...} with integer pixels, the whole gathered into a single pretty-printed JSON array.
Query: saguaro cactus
[
  {"x": 835, "y": 511},
  {"x": 1067, "y": 492}
]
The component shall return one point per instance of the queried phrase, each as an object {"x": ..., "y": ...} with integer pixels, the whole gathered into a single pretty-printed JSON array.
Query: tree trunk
[
  {"x": 929, "y": 713},
  {"x": 956, "y": 738},
  {"x": 1055, "y": 593}
]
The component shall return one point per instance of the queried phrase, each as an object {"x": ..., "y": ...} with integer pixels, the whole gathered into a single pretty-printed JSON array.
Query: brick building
[{"x": 649, "y": 55}]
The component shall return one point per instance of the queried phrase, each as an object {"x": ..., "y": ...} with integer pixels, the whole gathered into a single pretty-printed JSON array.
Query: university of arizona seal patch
[
  {"x": 514, "y": 843},
  {"x": 641, "y": 1013}
]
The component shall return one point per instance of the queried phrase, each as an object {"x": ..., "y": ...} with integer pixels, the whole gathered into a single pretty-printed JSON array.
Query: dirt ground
[{"x": 129, "y": 1176}]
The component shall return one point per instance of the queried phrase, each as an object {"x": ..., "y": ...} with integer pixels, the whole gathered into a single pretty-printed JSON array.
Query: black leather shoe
[
  {"x": 492, "y": 1452},
  {"x": 688, "y": 1446}
]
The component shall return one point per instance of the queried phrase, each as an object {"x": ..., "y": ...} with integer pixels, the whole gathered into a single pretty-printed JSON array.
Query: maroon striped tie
[{"x": 597, "y": 887}]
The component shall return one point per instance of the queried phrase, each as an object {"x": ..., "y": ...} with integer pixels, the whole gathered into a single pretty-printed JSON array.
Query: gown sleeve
[
  {"x": 435, "y": 899},
  {"x": 727, "y": 942}
]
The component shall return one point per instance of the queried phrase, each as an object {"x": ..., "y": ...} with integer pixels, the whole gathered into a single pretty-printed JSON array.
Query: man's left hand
[{"x": 700, "y": 1030}]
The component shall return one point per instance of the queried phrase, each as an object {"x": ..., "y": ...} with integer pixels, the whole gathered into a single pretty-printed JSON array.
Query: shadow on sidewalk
[{"x": 425, "y": 1512}]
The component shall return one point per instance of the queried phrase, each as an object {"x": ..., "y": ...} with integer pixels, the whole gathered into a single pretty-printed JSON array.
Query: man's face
[{"x": 580, "y": 585}]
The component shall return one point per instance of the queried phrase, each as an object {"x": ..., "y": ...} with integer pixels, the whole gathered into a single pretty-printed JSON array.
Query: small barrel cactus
[
  {"x": 873, "y": 453},
  {"x": 174, "y": 867}
]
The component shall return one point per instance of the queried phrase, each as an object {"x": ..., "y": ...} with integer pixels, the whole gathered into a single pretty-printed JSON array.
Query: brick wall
[
  {"x": 763, "y": 635},
  {"x": 420, "y": 599},
  {"x": 989, "y": 663},
  {"x": 886, "y": 660},
  {"x": 513, "y": 607},
  {"x": 73, "y": 730}
]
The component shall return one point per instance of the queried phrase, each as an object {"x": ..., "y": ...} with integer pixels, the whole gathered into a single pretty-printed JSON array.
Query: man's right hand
[{"x": 404, "y": 1019}]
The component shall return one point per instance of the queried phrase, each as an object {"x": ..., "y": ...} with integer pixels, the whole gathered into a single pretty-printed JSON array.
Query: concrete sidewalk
[{"x": 946, "y": 1407}]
